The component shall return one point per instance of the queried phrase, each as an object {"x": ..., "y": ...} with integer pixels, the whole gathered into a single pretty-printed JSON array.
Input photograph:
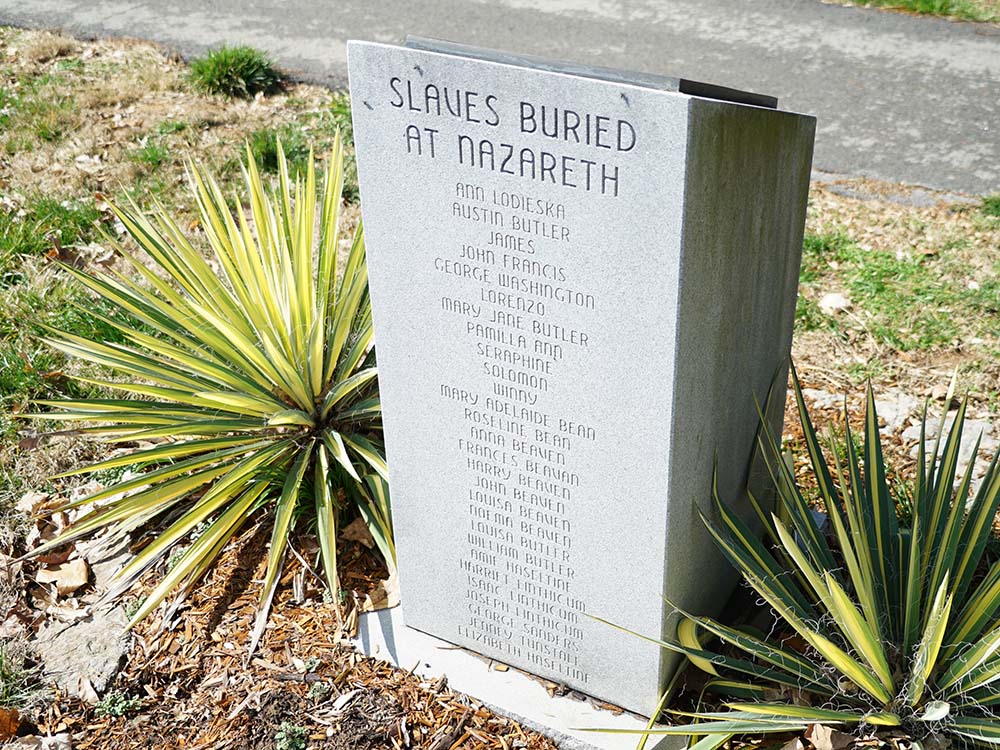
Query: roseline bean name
[{"x": 478, "y": 151}]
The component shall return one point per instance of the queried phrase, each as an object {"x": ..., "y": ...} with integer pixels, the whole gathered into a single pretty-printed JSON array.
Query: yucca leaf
[
  {"x": 716, "y": 728},
  {"x": 737, "y": 689},
  {"x": 235, "y": 481},
  {"x": 821, "y": 470},
  {"x": 812, "y": 678},
  {"x": 764, "y": 674},
  {"x": 944, "y": 481},
  {"x": 946, "y": 551},
  {"x": 687, "y": 636},
  {"x": 206, "y": 458},
  {"x": 290, "y": 418},
  {"x": 985, "y": 730},
  {"x": 858, "y": 632},
  {"x": 977, "y": 528},
  {"x": 806, "y": 713},
  {"x": 376, "y": 510},
  {"x": 979, "y": 612},
  {"x": 347, "y": 387},
  {"x": 913, "y": 594},
  {"x": 334, "y": 443},
  {"x": 740, "y": 545},
  {"x": 925, "y": 658},
  {"x": 202, "y": 551},
  {"x": 963, "y": 663},
  {"x": 326, "y": 518},
  {"x": 284, "y": 509},
  {"x": 256, "y": 380},
  {"x": 165, "y": 452},
  {"x": 373, "y": 456},
  {"x": 156, "y": 499},
  {"x": 880, "y": 511}
]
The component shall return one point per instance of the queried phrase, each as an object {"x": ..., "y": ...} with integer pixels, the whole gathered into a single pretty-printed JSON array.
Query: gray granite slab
[
  {"x": 578, "y": 286},
  {"x": 570, "y": 720}
]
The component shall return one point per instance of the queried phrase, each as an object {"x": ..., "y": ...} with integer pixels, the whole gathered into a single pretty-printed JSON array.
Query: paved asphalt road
[{"x": 899, "y": 97}]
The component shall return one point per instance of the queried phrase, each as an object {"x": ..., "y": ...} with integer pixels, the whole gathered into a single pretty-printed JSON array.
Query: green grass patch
[
  {"x": 34, "y": 229},
  {"x": 40, "y": 107},
  {"x": 29, "y": 368},
  {"x": 18, "y": 681},
  {"x": 240, "y": 71},
  {"x": 264, "y": 147},
  {"x": 904, "y": 302},
  {"x": 340, "y": 114},
  {"x": 169, "y": 127},
  {"x": 968, "y": 10},
  {"x": 151, "y": 155},
  {"x": 71, "y": 64},
  {"x": 991, "y": 205}
]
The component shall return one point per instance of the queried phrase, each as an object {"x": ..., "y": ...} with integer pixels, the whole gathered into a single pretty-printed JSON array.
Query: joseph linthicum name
[{"x": 531, "y": 163}]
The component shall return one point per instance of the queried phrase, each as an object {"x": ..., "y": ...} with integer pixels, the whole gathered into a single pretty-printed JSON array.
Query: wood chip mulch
[{"x": 197, "y": 690}]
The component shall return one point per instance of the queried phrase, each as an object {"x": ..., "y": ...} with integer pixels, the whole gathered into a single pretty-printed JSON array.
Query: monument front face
[{"x": 526, "y": 239}]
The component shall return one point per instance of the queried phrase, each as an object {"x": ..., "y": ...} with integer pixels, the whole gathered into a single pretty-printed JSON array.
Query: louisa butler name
[{"x": 478, "y": 150}]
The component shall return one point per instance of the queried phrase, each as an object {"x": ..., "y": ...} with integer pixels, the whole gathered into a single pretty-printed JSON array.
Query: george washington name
[{"x": 478, "y": 147}]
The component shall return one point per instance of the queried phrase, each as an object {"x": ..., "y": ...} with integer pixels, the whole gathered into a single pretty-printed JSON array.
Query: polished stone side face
[{"x": 578, "y": 285}]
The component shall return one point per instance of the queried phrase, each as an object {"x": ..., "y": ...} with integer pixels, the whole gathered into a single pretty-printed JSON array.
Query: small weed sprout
[
  {"x": 290, "y": 737},
  {"x": 240, "y": 71},
  {"x": 313, "y": 663},
  {"x": 134, "y": 606},
  {"x": 117, "y": 703},
  {"x": 169, "y": 127},
  {"x": 319, "y": 691}
]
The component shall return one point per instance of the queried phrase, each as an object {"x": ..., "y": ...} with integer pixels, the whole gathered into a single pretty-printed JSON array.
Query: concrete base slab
[{"x": 511, "y": 693}]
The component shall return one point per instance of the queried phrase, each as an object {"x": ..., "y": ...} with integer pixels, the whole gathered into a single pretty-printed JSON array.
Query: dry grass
[
  {"x": 87, "y": 108},
  {"x": 935, "y": 270}
]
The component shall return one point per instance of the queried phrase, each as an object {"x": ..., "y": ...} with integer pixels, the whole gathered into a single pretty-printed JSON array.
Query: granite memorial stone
[{"x": 580, "y": 279}]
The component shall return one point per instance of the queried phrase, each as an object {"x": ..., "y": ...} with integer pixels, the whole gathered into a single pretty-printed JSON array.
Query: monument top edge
[{"x": 653, "y": 81}]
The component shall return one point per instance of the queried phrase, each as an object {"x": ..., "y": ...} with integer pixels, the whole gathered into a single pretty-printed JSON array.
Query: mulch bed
[{"x": 199, "y": 691}]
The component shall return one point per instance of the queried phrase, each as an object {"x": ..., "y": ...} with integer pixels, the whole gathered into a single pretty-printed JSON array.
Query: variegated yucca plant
[
  {"x": 878, "y": 622},
  {"x": 248, "y": 382}
]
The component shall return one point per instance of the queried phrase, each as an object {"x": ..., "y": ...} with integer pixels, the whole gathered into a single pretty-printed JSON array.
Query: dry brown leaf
[
  {"x": 30, "y": 501},
  {"x": 84, "y": 688},
  {"x": 384, "y": 596},
  {"x": 67, "y": 577},
  {"x": 10, "y": 569},
  {"x": 10, "y": 722},
  {"x": 56, "y": 742},
  {"x": 823, "y": 737},
  {"x": 357, "y": 531}
]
